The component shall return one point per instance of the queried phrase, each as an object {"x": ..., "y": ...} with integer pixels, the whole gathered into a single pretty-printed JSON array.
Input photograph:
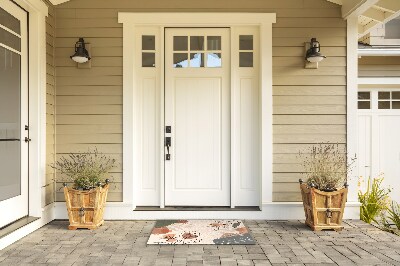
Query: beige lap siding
[
  {"x": 48, "y": 188},
  {"x": 379, "y": 66},
  {"x": 309, "y": 104}
]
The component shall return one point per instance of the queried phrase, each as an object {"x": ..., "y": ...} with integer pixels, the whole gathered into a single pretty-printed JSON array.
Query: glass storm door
[
  {"x": 197, "y": 108},
  {"x": 13, "y": 113}
]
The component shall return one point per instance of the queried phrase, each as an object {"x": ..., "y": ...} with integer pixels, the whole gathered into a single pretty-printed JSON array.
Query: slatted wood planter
[
  {"x": 323, "y": 210},
  {"x": 85, "y": 207}
]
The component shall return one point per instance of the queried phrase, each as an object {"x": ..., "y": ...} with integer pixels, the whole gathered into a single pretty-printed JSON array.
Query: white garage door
[{"x": 379, "y": 136}]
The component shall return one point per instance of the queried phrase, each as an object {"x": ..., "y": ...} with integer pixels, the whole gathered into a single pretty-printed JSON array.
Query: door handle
[
  {"x": 27, "y": 139},
  {"x": 168, "y": 144}
]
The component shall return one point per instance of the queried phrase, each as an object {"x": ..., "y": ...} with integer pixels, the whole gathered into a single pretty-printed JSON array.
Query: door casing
[{"x": 134, "y": 194}]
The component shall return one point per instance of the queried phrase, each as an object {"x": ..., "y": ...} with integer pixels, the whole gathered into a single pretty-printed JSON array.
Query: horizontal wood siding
[
  {"x": 48, "y": 188},
  {"x": 309, "y": 104},
  {"x": 379, "y": 66}
]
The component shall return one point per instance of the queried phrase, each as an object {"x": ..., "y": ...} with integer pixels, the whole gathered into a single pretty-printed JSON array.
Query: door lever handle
[{"x": 168, "y": 144}]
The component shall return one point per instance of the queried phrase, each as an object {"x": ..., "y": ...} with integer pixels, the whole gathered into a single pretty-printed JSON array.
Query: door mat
[{"x": 200, "y": 232}]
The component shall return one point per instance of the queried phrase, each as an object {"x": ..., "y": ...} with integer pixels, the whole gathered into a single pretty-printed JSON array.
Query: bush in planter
[
  {"x": 86, "y": 170},
  {"x": 85, "y": 201},
  {"x": 325, "y": 191},
  {"x": 325, "y": 166}
]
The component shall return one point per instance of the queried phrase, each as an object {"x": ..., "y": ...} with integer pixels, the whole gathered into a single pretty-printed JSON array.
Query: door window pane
[
  {"x": 180, "y": 43},
  {"x": 197, "y": 60},
  {"x": 246, "y": 42},
  {"x": 148, "y": 59},
  {"x": 7, "y": 20},
  {"x": 384, "y": 95},
  {"x": 10, "y": 124},
  {"x": 384, "y": 105},
  {"x": 148, "y": 42},
  {"x": 364, "y": 105},
  {"x": 246, "y": 59},
  {"x": 396, "y": 95},
  {"x": 197, "y": 43},
  {"x": 214, "y": 43},
  {"x": 364, "y": 95},
  {"x": 180, "y": 60},
  {"x": 214, "y": 60},
  {"x": 10, "y": 39},
  {"x": 396, "y": 105}
]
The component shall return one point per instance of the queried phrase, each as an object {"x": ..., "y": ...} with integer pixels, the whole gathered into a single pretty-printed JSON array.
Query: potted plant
[
  {"x": 324, "y": 192},
  {"x": 86, "y": 198}
]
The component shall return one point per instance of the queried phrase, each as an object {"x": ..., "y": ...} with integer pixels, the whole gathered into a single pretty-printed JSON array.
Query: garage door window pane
[
  {"x": 396, "y": 95},
  {"x": 364, "y": 95},
  {"x": 364, "y": 105},
  {"x": 384, "y": 95},
  {"x": 384, "y": 105},
  {"x": 396, "y": 105}
]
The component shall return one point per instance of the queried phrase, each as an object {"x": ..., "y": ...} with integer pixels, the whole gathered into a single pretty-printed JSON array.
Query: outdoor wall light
[
  {"x": 313, "y": 55},
  {"x": 81, "y": 54}
]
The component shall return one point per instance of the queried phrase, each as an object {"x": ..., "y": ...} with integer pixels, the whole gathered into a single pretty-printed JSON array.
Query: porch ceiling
[{"x": 371, "y": 13}]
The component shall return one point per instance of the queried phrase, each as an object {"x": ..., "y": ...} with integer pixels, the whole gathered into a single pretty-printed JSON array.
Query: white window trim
[{"x": 131, "y": 158}]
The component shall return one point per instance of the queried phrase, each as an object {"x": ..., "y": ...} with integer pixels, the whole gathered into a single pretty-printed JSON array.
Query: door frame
[
  {"x": 132, "y": 130},
  {"x": 37, "y": 12},
  {"x": 20, "y": 200}
]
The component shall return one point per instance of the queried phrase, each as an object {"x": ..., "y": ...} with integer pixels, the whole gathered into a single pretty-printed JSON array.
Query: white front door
[
  {"x": 197, "y": 108},
  {"x": 13, "y": 113},
  {"x": 378, "y": 135}
]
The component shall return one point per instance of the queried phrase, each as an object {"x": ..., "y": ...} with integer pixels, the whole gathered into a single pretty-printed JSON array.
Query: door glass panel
[
  {"x": 214, "y": 60},
  {"x": 384, "y": 95},
  {"x": 384, "y": 105},
  {"x": 245, "y": 59},
  {"x": 180, "y": 43},
  {"x": 214, "y": 43},
  {"x": 10, "y": 39},
  {"x": 364, "y": 105},
  {"x": 148, "y": 42},
  {"x": 364, "y": 95},
  {"x": 197, "y": 43},
  {"x": 180, "y": 60},
  {"x": 10, "y": 121},
  {"x": 246, "y": 42},
  {"x": 396, "y": 105},
  {"x": 197, "y": 60},
  {"x": 148, "y": 59},
  {"x": 396, "y": 95},
  {"x": 7, "y": 20}
]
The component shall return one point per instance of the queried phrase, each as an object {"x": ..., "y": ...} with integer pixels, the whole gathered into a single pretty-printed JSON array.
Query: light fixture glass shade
[
  {"x": 81, "y": 54},
  {"x": 313, "y": 54},
  {"x": 79, "y": 59}
]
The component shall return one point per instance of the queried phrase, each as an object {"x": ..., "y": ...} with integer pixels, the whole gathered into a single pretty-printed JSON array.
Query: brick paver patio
[{"x": 279, "y": 243}]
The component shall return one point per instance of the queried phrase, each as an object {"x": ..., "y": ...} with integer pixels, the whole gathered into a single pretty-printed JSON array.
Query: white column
[{"x": 352, "y": 87}]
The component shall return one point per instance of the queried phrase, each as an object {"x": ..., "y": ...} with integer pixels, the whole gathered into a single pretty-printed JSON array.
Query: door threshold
[
  {"x": 196, "y": 208},
  {"x": 8, "y": 229}
]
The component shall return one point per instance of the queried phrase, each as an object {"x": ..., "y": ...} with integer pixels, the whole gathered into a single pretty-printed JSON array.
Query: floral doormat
[{"x": 201, "y": 232}]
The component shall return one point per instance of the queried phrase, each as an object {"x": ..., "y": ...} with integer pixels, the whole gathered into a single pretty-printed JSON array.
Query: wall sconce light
[
  {"x": 81, "y": 54},
  {"x": 313, "y": 55}
]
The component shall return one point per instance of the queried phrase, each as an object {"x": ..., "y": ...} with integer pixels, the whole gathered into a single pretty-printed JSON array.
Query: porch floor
[{"x": 278, "y": 243}]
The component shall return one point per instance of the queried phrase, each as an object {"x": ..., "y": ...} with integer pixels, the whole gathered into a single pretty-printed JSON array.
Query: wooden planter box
[
  {"x": 85, "y": 207},
  {"x": 323, "y": 210}
]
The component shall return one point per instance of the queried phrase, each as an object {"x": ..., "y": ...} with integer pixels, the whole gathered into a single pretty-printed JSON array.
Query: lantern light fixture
[
  {"x": 81, "y": 54},
  {"x": 313, "y": 54}
]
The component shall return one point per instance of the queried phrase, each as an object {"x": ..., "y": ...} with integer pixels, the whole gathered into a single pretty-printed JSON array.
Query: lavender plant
[
  {"x": 86, "y": 170},
  {"x": 325, "y": 166}
]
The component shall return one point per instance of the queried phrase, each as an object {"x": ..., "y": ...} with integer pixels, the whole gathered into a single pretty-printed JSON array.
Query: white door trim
[
  {"x": 37, "y": 102},
  {"x": 131, "y": 124}
]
